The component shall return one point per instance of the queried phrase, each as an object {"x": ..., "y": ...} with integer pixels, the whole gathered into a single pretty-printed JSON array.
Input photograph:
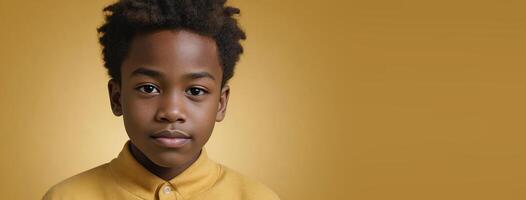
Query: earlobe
[
  {"x": 223, "y": 101},
  {"x": 114, "y": 91}
]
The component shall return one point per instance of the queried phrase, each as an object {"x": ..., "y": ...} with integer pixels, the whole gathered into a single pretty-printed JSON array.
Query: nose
[{"x": 171, "y": 109}]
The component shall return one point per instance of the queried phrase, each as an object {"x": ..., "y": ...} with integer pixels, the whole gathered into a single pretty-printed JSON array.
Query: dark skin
[{"x": 169, "y": 79}]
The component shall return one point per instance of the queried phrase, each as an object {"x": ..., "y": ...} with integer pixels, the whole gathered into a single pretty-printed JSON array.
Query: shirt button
[{"x": 167, "y": 189}]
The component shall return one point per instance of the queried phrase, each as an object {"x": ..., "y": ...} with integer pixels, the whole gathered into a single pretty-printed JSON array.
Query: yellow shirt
[{"x": 125, "y": 178}]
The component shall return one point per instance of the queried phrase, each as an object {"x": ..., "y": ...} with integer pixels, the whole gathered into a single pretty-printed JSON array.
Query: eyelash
[
  {"x": 201, "y": 89},
  {"x": 140, "y": 88}
]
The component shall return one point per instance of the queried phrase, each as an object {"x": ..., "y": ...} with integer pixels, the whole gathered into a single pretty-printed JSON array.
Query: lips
[
  {"x": 171, "y": 134},
  {"x": 171, "y": 138}
]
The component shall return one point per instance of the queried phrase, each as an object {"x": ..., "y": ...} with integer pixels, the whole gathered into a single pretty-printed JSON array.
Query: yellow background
[{"x": 369, "y": 99}]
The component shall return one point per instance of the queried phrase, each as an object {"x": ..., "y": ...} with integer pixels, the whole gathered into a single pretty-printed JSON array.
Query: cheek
[
  {"x": 210, "y": 110},
  {"x": 137, "y": 112},
  {"x": 203, "y": 114}
]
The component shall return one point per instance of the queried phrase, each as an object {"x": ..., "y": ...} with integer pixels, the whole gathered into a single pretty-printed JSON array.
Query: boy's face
[{"x": 171, "y": 80}]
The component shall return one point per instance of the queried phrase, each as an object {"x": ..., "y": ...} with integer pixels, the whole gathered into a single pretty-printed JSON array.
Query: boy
[{"x": 169, "y": 63}]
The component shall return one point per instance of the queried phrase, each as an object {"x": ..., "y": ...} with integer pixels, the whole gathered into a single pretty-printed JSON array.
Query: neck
[{"x": 166, "y": 173}]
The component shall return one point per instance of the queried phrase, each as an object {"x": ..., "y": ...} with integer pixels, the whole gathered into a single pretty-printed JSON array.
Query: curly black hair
[{"x": 126, "y": 18}]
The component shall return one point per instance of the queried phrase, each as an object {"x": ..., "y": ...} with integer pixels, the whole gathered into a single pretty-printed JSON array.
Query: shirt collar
[{"x": 133, "y": 177}]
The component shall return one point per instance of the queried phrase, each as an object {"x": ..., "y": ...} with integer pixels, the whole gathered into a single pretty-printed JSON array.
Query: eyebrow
[
  {"x": 147, "y": 72},
  {"x": 157, "y": 74},
  {"x": 197, "y": 75}
]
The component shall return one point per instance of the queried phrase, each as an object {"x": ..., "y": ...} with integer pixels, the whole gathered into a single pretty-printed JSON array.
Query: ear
[
  {"x": 114, "y": 90},
  {"x": 223, "y": 101}
]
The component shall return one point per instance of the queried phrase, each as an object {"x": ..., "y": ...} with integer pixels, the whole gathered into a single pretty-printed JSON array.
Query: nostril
[{"x": 170, "y": 117}]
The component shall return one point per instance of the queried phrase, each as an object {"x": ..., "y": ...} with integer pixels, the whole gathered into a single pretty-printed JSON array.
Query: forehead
[{"x": 173, "y": 53}]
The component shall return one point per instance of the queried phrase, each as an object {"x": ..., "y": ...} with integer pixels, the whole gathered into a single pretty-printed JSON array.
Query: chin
[{"x": 168, "y": 159}]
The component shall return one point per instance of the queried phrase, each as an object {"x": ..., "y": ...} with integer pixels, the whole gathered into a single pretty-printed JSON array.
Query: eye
[
  {"x": 196, "y": 91},
  {"x": 148, "y": 89}
]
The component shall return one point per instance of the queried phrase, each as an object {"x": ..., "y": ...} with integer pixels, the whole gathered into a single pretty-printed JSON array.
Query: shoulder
[
  {"x": 86, "y": 184},
  {"x": 246, "y": 187}
]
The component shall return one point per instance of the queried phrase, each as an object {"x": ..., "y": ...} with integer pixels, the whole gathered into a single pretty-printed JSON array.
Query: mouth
[{"x": 171, "y": 139}]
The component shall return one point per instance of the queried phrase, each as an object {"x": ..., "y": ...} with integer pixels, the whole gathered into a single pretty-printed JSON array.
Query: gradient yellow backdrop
[{"x": 361, "y": 99}]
